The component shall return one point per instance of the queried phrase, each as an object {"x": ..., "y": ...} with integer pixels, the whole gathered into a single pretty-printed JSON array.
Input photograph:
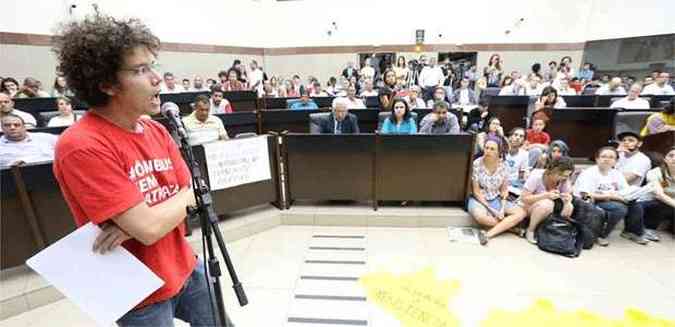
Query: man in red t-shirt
[{"x": 125, "y": 173}]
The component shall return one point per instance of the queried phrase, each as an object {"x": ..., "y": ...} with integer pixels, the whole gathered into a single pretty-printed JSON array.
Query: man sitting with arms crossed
[
  {"x": 31, "y": 89},
  {"x": 633, "y": 100},
  {"x": 7, "y": 108},
  {"x": 202, "y": 127},
  {"x": 18, "y": 146},
  {"x": 439, "y": 121},
  {"x": 125, "y": 173},
  {"x": 340, "y": 121}
]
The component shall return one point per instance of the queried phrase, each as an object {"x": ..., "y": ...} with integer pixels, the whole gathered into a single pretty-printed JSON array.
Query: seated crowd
[{"x": 516, "y": 177}]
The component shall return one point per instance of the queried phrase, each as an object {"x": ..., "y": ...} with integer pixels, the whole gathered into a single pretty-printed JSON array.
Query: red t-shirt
[
  {"x": 103, "y": 170},
  {"x": 537, "y": 137}
]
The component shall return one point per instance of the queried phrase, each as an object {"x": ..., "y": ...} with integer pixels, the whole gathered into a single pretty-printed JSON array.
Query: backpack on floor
[
  {"x": 559, "y": 235},
  {"x": 591, "y": 218}
]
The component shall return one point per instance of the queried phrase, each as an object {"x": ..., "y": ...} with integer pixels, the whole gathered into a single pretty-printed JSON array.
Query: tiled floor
[{"x": 308, "y": 275}]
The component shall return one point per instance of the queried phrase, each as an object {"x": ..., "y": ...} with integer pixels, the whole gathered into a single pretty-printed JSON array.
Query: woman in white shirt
[
  {"x": 66, "y": 115},
  {"x": 602, "y": 184}
]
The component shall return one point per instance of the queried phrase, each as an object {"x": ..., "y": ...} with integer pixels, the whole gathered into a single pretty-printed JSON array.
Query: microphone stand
[{"x": 209, "y": 224}]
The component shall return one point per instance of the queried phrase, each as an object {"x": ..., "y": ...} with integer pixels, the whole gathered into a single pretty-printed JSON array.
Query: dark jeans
[
  {"x": 632, "y": 212},
  {"x": 655, "y": 212},
  {"x": 191, "y": 305}
]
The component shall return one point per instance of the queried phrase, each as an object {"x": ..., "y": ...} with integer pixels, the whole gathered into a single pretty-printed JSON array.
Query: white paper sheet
[
  {"x": 103, "y": 286},
  {"x": 237, "y": 162},
  {"x": 463, "y": 235}
]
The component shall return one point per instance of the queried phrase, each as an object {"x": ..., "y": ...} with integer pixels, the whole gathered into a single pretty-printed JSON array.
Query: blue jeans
[
  {"x": 191, "y": 305},
  {"x": 632, "y": 212}
]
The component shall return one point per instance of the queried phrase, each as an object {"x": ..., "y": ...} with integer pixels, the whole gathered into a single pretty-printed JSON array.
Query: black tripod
[{"x": 209, "y": 224}]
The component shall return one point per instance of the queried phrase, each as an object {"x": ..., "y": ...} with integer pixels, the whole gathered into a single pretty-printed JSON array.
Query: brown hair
[
  {"x": 91, "y": 52},
  {"x": 665, "y": 172}
]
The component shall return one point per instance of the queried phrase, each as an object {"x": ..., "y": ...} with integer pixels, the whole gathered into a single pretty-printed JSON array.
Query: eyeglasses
[{"x": 145, "y": 69}]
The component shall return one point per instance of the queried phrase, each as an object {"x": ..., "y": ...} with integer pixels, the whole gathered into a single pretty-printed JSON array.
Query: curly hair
[{"x": 91, "y": 52}]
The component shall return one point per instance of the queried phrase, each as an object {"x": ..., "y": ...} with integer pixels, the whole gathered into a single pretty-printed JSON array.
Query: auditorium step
[{"x": 24, "y": 290}]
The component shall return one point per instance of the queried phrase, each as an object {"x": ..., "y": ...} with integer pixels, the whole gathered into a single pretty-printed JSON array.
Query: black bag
[
  {"x": 591, "y": 218},
  {"x": 559, "y": 235}
]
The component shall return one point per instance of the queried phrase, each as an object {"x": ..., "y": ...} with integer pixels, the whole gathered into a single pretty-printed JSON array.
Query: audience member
[
  {"x": 305, "y": 103},
  {"x": 601, "y": 184},
  {"x": 516, "y": 159},
  {"x": 400, "y": 121},
  {"x": 493, "y": 129},
  {"x": 7, "y": 108},
  {"x": 659, "y": 87},
  {"x": 9, "y": 86},
  {"x": 219, "y": 105},
  {"x": 544, "y": 186},
  {"x": 543, "y": 107},
  {"x": 60, "y": 89},
  {"x": 479, "y": 116},
  {"x": 660, "y": 122},
  {"x": 633, "y": 164},
  {"x": 489, "y": 204},
  {"x": 464, "y": 96},
  {"x": 565, "y": 68},
  {"x": 351, "y": 100},
  {"x": 339, "y": 121},
  {"x": 493, "y": 71},
  {"x": 389, "y": 91},
  {"x": 241, "y": 72},
  {"x": 632, "y": 100},
  {"x": 564, "y": 87},
  {"x": 472, "y": 75},
  {"x": 256, "y": 77},
  {"x": 198, "y": 85},
  {"x": 294, "y": 90},
  {"x": 31, "y": 89},
  {"x": 536, "y": 71},
  {"x": 537, "y": 140},
  {"x": 439, "y": 121},
  {"x": 659, "y": 207},
  {"x": 510, "y": 86},
  {"x": 401, "y": 71},
  {"x": 350, "y": 71},
  {"x": 66, "y": 115},
  {"x": 550, "y": 73},
  {"x": 368, "y": 89},
  {"x": 268, "y": 90},
  {"x": 17, "y": 145},
  {"x": 186, "y": 85},
  {"x": 233, "y": 83},
  {"x": 534, "y": 87},
  {"x": 317, "y": 91},
  {"x": 586, "y": 73},
  {"x": 556, "y": 149},
  {"x": 612, "y": 88},
  {"x": 210, "y": 82},
  {"x": 413, "y": 98},
  {"x": 201, "y": 125},
  {"x": 431, "y": 77},
  {"x": 438, "y": 95},
  {"x": 367, "y": 72},
  {"x": 169, "y": 85}
]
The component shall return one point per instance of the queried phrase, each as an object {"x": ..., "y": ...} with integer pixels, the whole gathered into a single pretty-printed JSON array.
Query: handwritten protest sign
[{"x": 237, "y": 162}]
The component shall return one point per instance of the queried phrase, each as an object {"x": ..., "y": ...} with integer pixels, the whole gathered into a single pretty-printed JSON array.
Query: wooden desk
[
  {"x": 511, "y": 110},
  {"x": 660, "y": 142},
  {"x": 584, "y": 130}
]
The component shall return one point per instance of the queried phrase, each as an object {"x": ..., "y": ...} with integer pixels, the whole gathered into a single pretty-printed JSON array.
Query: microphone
[{"x": 170, "y": 111}]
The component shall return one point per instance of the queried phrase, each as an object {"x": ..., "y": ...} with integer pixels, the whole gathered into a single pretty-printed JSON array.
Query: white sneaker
[{"x": 529, "y": 236}]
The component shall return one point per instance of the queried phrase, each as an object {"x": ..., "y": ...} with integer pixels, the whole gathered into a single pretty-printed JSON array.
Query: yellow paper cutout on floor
[
  {"x": 416, "y": 299},
  {"x": 544, "y": 313}
]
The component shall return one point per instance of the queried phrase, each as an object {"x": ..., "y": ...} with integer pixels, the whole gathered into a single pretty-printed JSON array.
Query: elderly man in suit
[{"x": 339, "y": 121}]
